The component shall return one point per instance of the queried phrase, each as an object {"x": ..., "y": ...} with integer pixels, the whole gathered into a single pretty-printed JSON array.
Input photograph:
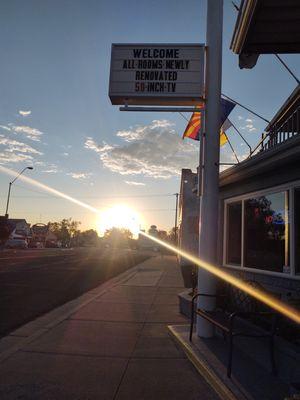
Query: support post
[
  {"x": 209, "y": 204},
  {"x": 176, "y": 218}
]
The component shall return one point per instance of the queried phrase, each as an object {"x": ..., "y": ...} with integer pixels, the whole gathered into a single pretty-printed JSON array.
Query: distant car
[{"x": 16, "y": 244}]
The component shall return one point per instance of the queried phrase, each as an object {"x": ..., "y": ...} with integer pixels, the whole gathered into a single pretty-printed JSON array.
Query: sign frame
[{"x": 190, "y": 98}]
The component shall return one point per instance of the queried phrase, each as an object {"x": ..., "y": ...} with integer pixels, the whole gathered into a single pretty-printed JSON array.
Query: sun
[{"x": 119, "y": 216}]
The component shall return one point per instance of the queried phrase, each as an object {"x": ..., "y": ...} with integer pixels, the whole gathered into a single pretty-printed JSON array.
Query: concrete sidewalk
[{"x": 111, "y": 343}]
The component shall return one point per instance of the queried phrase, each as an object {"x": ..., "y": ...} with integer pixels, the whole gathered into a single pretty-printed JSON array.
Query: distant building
[
  {"x": 19, "y": 228},
  {"x": 41, "y": 236}
]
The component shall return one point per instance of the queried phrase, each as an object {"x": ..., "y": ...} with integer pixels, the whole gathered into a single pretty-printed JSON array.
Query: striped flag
[
  {"x": 193, "y": 127},
  {"x": 223, "y": 137},
  {"x": 192, "y": 130}
]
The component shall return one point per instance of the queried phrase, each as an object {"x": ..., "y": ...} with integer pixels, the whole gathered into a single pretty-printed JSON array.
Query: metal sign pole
[{"x": 209, "y": 204}]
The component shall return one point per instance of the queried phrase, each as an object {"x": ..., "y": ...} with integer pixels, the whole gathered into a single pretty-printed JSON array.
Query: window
[
  {"x": 297, "y": 230},
  {"x": 257, "y": 232},
  {"x": 265, "y": 232},
  {"x": 234, "y": 230}
]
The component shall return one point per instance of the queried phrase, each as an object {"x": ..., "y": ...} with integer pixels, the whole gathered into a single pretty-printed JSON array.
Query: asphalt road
[{"x": 33, "y": 282}]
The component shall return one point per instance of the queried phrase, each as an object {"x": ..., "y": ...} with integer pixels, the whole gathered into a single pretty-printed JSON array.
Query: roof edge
[{"x": 247, "y": 9}]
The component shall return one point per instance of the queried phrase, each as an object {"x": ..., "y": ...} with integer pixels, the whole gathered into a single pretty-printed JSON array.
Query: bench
[{"x": 226, "y": 321}]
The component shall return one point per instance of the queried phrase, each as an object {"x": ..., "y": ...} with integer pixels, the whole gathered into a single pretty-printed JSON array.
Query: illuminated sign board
[{"x": 156, "y": 74}]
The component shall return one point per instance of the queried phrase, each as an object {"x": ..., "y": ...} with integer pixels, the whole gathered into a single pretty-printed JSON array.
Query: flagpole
[
  {"x": 209, "y": 203},
  {"x": 232, "y": 149}
]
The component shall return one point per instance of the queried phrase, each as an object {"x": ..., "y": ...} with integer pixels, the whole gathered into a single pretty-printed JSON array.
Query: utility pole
[
  {"x": 176, "y": 212},
  {"x": 209, "y": 203}
]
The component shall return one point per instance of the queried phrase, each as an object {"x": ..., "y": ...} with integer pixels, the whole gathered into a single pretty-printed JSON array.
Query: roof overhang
[{"x": 266, "y": 27}]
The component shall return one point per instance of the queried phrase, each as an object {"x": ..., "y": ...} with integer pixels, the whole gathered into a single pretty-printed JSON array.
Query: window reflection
[
  {"x": 297, "y": 230},
  {"x": 266, "y": 233},
  {"x": 234, "y": 226}
]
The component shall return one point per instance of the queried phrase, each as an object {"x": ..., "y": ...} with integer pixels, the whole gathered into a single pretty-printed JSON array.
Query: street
[{"x": 33, "y": 282}]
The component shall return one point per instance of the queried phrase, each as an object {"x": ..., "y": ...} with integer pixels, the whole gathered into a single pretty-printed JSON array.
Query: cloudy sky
[{"x": 55, "y": 114}]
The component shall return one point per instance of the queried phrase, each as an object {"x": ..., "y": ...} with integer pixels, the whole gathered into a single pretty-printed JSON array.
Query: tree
[
  {"x": 85, "y": 238},
  {"x": 64, "y": 230},
  {"x": 118, "y": 237}
]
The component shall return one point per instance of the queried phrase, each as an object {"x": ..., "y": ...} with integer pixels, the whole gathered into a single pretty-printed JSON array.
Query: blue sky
[{"x": 55, "y": 63}]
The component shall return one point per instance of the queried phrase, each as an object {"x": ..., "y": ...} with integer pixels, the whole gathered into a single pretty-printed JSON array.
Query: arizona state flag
[
  {"x": 192, "y": 130},
  {"x": 193, "y": 127}
]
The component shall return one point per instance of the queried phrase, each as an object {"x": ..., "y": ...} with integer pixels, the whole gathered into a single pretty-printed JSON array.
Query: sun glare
[{"x": 119, "y": 216}]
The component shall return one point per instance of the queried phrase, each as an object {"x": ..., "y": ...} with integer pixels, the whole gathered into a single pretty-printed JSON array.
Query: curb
[{"x": 203, "y": 368}]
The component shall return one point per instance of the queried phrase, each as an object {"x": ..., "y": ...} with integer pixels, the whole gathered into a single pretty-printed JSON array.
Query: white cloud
[
  {"x": 14, "y": 145},
  {"x": 133, "y": 183},
  {"x": 80, "y": 175},
  {"x": 153, "y": 150},
  {"x": 31, "y": 133},
  {"x": 240, "y": 117},
  {"x": 249, "y": 127},
  {"x": 24, "y": 113},
  {"x": 92, "y": 145},
  {"x": 50, "y": 168},
  {"x": 40, "y": 163},
  {"x": 65, "y": 154},
  {"x": 6, "y": 157},
  {"x": 7, "y": 128},
  {"x": 249, "y": 120},
  {"x": 51, "y": 171}
]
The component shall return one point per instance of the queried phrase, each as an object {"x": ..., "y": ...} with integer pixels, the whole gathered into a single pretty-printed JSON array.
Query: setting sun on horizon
[{"x": 119, "y": 216}]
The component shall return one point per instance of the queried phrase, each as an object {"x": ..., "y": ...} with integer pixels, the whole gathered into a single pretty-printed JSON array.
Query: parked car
[{"x": 16, "y": 244}]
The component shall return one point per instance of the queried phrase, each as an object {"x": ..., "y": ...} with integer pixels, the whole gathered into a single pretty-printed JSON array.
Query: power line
[
  {"x": 246, "y": 108},
  {"x": 287, "y": 68}
]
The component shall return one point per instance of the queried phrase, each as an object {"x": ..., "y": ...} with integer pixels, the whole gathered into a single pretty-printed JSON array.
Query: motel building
[
  {"x": 259, "y": 199},
  {"x": 259, "y": 229}
]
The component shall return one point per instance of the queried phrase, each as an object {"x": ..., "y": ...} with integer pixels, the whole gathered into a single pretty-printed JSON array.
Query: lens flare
[
  {"x": 270, "y": 301},
  {"x": 47, "y": 188}
]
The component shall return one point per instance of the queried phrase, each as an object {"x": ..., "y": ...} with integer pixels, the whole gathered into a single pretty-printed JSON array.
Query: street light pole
[{"x": 9, "y": 189}]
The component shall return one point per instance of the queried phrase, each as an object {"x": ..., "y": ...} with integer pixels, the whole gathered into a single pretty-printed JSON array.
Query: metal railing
[
  {"x": 281, "y": 133},
  {"x": 278, "y": 133}
]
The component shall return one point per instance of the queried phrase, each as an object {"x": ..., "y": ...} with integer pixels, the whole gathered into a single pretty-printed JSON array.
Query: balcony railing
[{"x": 281, "y": 133}]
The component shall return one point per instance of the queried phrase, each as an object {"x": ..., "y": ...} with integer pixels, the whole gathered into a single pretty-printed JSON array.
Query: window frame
[
  {"x": 225, "y": 235},
  {"x": 287, "y": 188}
]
